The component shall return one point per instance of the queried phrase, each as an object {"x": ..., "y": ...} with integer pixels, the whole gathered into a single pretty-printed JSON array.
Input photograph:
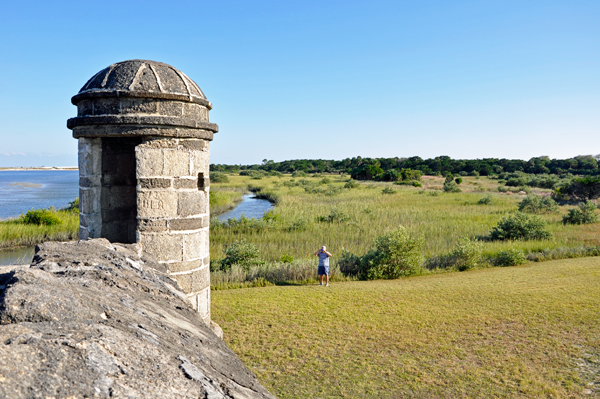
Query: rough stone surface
[{"x": 96, "y": 320}]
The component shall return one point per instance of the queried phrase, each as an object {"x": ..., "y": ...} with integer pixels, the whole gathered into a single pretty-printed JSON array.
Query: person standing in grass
[{"x": 323, "y": 264}]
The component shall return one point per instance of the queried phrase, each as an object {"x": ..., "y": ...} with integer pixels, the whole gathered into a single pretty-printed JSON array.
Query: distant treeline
[{"x": 368, "y": 168}]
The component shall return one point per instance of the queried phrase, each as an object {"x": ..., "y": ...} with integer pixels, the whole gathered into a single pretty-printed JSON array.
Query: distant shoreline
[{"x": 40, "y": 168}]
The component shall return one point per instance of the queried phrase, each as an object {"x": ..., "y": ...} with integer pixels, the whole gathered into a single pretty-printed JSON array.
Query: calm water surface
[
  {"x": 250, "y": 207},
  {"x": 23, "y": 190}
]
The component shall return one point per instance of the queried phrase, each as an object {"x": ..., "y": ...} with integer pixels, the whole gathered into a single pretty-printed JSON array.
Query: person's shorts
[{"x": 323, "y": 270}]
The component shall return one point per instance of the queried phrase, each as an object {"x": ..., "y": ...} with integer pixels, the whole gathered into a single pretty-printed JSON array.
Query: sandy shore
[{"x": 42, "y": 168}]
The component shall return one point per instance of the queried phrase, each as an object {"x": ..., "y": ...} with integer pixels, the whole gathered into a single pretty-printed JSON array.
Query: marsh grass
[
  {"x": 442, "y": 218},
  {"x": 523, "y": 331},
  {"x": 16, "y": 232}
]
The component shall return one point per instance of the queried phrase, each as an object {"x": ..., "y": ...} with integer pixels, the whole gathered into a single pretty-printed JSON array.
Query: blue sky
[{"x": 320, "y": 79}]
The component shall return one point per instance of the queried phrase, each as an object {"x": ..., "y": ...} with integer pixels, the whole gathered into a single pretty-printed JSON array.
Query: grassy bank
[
  {"x": 16, "y": 233},
  {"x": 314, "y": 211},
  {"x": 526, "y": 331}
]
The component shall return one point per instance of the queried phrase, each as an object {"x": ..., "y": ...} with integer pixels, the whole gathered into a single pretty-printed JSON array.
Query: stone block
[
  {"x": 178, "y": 267},
  {"x": 170, "y": 108},
  {"x": 185, "y": 183},
  {"x": 157, "y": 204},
  {"x": 154, "y": 183},
  {"x": 149, "y": 162},
  {"x": 90, "y": 156},
  {"x": 165, "y": 247},
  {"x": 138, "y": 106},
  {"x": 194, "y": 245},
  {"x": 203, "y": 304},
  {"x": 194, "y": 144},
  {"x": 200, "y": 163},
  {"x": 89, "y": 200},
  {"x": 90, "y": 181},
  {"x": 160, "y": 143},
  {"x": 85, "y": 108},
  {"x": 90, "y": 220},
  {"x": 194, "y": 281},
  {"x": 192, "y": 203},
  {"x": 150, "y": 225},
  {"x": 189, "y": 224},
  {"x": 176, "y": 163},
  {"x": 106, "y": 106},
  {"x": 195, "y": 111}
]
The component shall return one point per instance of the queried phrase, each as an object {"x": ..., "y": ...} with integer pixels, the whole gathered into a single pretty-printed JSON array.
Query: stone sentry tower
[{"x": 144, "y": 135}]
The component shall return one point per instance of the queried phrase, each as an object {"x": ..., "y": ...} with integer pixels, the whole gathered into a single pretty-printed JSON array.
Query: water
[
  {"x": 21, "y": 256},
  {"x": 250, "y": 207},
  {"x": 23, "y": 190}
]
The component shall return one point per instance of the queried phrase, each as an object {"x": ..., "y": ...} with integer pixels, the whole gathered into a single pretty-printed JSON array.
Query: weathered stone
[
  {"x": 195, "y": 111},
  {"x": 195, "y": 145},
  {"x": 200, "y": 163},
  {"x": 152, "y": 226},
  {"x": 90, "y": 156},
  {"x": 157, "y": 204},
  {"x": 93, "y": 319},
  {"x": 160, "y": 143},
  {"x": 194, "y": 245},
  {"x": 90, "y": 181},
  {"x": 177, "y": 163},
  {"x": 195, "y": 281},
  {"x": 178, "y": 267},
  {"x": 171, "y": 108},
  {"x": 189, "y": 223},
  {"x": 154, "y": 183},
  {"x": 89, "y": 200},
  {"x": 185, "y": 183},
  {"x": 149, "y": 162},
  {"x": 164, "y": 247},
  {"x": 138, "y": 106},
  {"x": 192, "y": 203}
]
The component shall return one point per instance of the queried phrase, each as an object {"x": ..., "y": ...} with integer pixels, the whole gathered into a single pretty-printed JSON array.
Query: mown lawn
[{"x": 526, "y": 331}]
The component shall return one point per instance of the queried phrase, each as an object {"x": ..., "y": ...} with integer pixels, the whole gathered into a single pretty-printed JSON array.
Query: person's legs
[
  {"x": 321, "y": 276},
  {"x": 327, "y": 279}
]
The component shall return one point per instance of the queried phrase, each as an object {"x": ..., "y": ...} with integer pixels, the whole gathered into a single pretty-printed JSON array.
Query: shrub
[
  {"x": 581, "y": 188},
  {"x": 73, "y": 206},
  {"x": 474, "y": 173},
  {"x": 218, "y": 177},
  {"x": 325, "y": 180},
  {"x": 520, "y": 226},
  {"x": 40, "y": 216},
  {"x": 299, "y": 173},
  {"x": 510, "y": 257},
  {"x": 334, "y": 216},
  {"x": 285, "y": 258},
  {"x": 417, "y": 184},
  {"x": 487, "y": 200},
  {"x": 467, "y": 254},
  {"x": 396, "y": 254},
  {"x": 299, "y": 224},
  {"x": 349, "y": 263},
  {"x": 458, "y": 180},
  {"x": 388, "y": 190},
  {"x": 584, "y": 214},
  {"x": 241, "y": 253},
  {"x": 351, "y": 183},
  {"x": 537, "y": 204},
  {"x": 451, "y": 187}
]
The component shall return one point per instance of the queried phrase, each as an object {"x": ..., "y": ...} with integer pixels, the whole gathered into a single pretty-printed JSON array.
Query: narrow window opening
[{"x": 201, "y": 181}]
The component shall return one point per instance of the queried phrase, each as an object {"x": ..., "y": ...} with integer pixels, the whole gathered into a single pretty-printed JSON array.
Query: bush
[
  {"x": 467, "y": 254},
  {"x": 241, "y": 253},
  {"x": 351, "y": 183},
  {"x": 73, "y": 206},
  {"x": 451, "y": 187},
  {"x": 581, "y": 188},
  {"x": 537, "y": 204},
  {"x": 388, "y": 190},
  {"x": 218, "y": 177},
  {"x": 458, "y": 180},
  {"x": 520, "y": 226},
  {"x": 417, "y": 184},
  {"x": 349, "y": 263},
  {"x": 300, "y": 224},
  {"x": 299, "y": 173},
  {"x": 396, "y": 254},
  {"x": 510, "y": 257},
  {"x": 584, "y": 214},
  {"x": 325, "y": 180},
  {"x": 285, "y": 258},
  {"x": 485, "y": 200},
  {"x": 334, "y": 216},
  {"x": 40, "y": 216}
]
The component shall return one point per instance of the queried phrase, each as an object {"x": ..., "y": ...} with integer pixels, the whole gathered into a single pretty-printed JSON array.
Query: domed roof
[{"x": 142, "y": 78}]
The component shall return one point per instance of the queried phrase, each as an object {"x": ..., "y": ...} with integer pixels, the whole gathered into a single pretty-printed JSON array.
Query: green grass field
[
  {"x": 15, "y": 233},
  {"x": 442, "y": 218},
  {"x": 525, "y": 331}
]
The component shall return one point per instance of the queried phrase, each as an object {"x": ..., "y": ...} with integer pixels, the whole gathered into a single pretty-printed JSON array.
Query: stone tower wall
[{"x": 173, "y": 211}]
